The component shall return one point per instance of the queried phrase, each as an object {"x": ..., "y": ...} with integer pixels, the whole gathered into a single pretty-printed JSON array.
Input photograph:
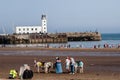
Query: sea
[{"x": 112, "y": 40}]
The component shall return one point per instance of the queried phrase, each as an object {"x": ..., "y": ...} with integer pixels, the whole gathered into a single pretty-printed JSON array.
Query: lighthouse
[
  {"x": 44, "y": 24},
  {"x": 33, "y": 29}
]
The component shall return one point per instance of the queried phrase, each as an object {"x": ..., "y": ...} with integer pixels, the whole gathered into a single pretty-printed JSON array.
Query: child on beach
[
  {"x": 81, "y": 64},
  {"x": 13, "y": 74}
]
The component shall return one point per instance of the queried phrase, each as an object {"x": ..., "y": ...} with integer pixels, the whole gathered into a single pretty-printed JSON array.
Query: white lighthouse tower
[{"x": 44, "y": 24}]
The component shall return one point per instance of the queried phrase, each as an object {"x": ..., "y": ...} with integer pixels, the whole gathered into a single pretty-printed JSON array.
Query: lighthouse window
[
  {"x": 44, "y": 24},
  {"x": 19, "y": 29},
  {"x": 23, "y": 29},
  {"x": 27, "y": 29},
  {"x": 44, "y": 28},
  {"x": 36, "y": 29},
  {"x": 32, "y": 29}
]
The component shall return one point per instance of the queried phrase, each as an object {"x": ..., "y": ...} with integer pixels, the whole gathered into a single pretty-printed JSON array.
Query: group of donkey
[{"x": 46, "y": 66}]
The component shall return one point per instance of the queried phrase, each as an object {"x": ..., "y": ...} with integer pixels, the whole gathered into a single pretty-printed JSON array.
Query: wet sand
[
  {"x": 62, "y": 49},
  {"x": 95, "y": 68}
]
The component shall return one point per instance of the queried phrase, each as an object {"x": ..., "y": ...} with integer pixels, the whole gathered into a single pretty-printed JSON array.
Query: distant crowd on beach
[
  {"x": 26, "y": 72},
  {"x": 106, "y": 45},
  {"x": 95, "y": 46}
]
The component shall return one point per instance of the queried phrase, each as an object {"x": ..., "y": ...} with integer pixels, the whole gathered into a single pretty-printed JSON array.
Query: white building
[{"x": 33, "y": 29}]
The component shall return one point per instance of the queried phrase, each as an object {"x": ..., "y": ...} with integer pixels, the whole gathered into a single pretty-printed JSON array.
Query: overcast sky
[{"x": 62, "y": 15}]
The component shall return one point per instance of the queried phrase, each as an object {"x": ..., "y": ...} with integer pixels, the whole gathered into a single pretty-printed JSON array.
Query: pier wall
[
  {"x": 85, "y": 36},
  {"x": 49, "y": 38}
]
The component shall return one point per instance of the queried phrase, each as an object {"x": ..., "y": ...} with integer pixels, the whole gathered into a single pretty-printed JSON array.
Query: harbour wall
[
  {"x": 49, "y": 38},
  {"x": 85, "y": 36}
]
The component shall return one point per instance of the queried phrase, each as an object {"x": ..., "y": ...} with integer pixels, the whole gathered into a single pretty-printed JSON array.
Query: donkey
[
  {"x": 47, "y": 66},
  {"x": 44, "y": 65}
]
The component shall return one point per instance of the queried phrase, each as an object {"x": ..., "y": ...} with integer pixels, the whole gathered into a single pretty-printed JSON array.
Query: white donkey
[{"x": 47, "y": 66}]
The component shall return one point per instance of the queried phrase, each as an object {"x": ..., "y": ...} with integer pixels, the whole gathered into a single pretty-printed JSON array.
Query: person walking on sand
[
  {"x": 67, "y": 61},
  {"x": 72, "y": 63}
]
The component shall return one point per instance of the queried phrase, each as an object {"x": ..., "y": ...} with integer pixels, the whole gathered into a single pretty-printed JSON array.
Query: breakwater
[
  {"x": 85, "y": 36},
  {"x": 49, "y": 38}
]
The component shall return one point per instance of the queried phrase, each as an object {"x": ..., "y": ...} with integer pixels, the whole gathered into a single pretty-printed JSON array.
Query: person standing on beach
[
  {"x": 67, "y": 61},
  {"x": 72, "y": 63},
  {"x": 81, "y": 64},
  {"x": 58, "y": 65}
]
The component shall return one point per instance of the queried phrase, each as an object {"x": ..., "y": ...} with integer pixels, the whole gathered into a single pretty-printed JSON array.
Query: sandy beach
[{"x": 95, "y": 68}]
